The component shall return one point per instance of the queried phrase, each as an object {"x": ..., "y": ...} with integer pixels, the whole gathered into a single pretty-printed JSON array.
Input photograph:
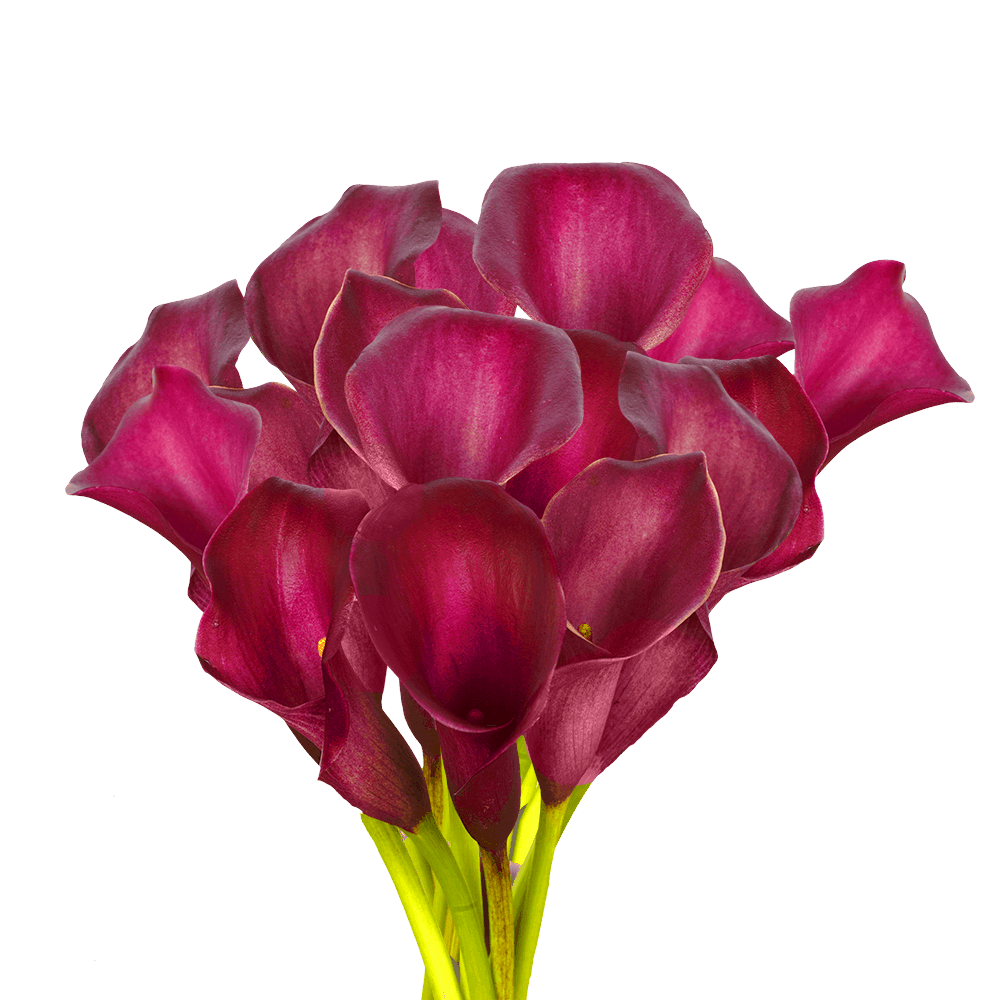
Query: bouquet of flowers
[{"x": 528, "y": 519}]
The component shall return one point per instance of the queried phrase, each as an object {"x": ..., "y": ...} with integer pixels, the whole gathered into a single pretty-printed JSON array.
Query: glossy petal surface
[
  {"x": 865, "y": 353},
  {"x": 683, "y": 408},
  {"x": 613, "y": 247},
  {"x": 179, "y": 460},
  {"x": 449, "y": 392},
  {"x": 363, "y": 306},
  {"x": 278, "y": 567},
  {"x": 459, "y": 591},
  {"x": 449, "y": 264},
  {"x": 604, "y": 432},
  {"x": 288, "y": 431},
  {"x": 768, "y": 390},
  {"x": 365, "y": 758},
  {"x": 726, "y": 319},
  {"x": 638, "y": 546},
  {"x": 204, "y": 334},
  {"x": 378, "y": 230},
  {"x": 648, "y": 686}
]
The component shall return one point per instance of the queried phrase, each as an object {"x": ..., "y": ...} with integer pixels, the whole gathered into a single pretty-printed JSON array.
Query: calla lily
[
  {"x": 179, "y": 460},
  {"x": 865, "y": 353},
  {"x": 598, "y": 708},
  {"x": 364, "y": 305},
  {"x": 613, "y": 247},
  {"x": 378, "y": 230},
  {"x": 603, "y": 433},
  {"x": 448, "y": 264},
  {"x": 726, "y": 319},
  {"x": 638, "y": 546},
  {"x": 443, "y": 392},
  {"x": 460, "y": 594},
  {"x": 281, "y": 630},
  {"x": 204, "y": 335},
  {"x": 772, "y": 394},
  {"x": 683, "y": 408}
]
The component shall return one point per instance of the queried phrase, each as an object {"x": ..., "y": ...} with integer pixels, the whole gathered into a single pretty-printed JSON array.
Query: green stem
[
  {"x": 420, "y": 866},
  {"x": 549, "y": 828},
  {"x": 461, "y": 903},
  {"x": 496, "y": 870},
  {"x": 527, "y": 824},
  {"x": 437, "y": 961},
  {"x": 523, "y": 879}
]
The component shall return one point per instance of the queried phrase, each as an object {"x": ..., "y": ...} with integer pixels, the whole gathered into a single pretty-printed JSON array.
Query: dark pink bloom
[
  {"x": 448, "y": 392},
  {"x": 281, "y": 630},
  {"x": 771, "y": 393},
  {"x": 378, "y": 230},
  {"x": 683, "y": 408},
  {"x": 460, "y": 593},
  {"x": 613, "y": 247},
  {"x": 865, "y": 353},
  {"x": 527, "y": 520},
  {"x": 726, "y": 319},
  {"x": 204, "y": 334},
  {"x": 179, "y": 460}
]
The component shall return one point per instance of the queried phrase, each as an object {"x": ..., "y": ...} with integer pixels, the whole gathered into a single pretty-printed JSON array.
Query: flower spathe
[
  {"x": 527, "y": 520},
  {"x": 865, "y": 353},
  {"x": 460, "y": 593}
]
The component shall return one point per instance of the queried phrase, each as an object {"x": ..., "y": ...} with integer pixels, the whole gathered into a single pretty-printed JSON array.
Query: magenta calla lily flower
[
  {"x": 442, "y": 392},
  {"x": 179, "y": 460},
  {"x": 378, "y": 230},
  {"x": 726, "y": 319},
  {"x": 638, "y": 546},
  {"x": 865, "y": 353},
  {"x": 613, "y": 247},
  {"x": 204, "y": 334},
  {"x": 460, "y": 593},
  {"x": 363, "y": 306},
  {"x": 281, "y": 630},
  {"x": 448, "y": 264},
  {"x": 596, "y": 709},
  {"x": 683, "y": 408},
  {"x": 771, "y": 393}
]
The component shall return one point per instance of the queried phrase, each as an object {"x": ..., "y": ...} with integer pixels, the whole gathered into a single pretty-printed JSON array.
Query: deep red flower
[
  {"x": 539, "y": 512},
  {"x": 865, "y": 353}
]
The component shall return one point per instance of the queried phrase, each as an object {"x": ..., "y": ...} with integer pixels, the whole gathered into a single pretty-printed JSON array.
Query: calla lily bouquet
[{"x": 529, "y": 521}]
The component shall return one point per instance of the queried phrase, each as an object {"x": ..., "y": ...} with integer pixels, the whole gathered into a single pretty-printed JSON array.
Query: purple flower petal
[
  {"x": 449, "y": 392},
  {"x": 179, "y": 460},
  {"x": 288, "y": 431},
  {"x": 648, "y": 686},
  {"x": 449, "y": 264},
  {"x": 613, "y": 247},
  {"x": 204, "y": 334},
  {"x": 683, "y": 408},
  {"x": 726, "y": 319},
  {"x": 564, "y": 742},
  {"x": 459, "y": 591},
  {"x": 335, "y": 465},
  {"x": 604, "y": 433},
  {"x": 378, "y": 230},
  {"x": 865, "y": 353},
  {"x": 638, "y": 546},
  {"x": 363, "y": 306},
  {"x": 278, "y": 567},
  {"x": 772, "y": 394},
  {"x": 365, "y": 758}
]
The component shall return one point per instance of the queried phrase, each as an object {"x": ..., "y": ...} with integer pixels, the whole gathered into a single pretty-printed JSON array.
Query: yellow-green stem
[
  {"x": 549, "y": 828},
  {"x": 496, "y": 871}
]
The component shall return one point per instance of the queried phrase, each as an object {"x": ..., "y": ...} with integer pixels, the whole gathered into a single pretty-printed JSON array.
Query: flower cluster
[{"x": 528, "y": 520}]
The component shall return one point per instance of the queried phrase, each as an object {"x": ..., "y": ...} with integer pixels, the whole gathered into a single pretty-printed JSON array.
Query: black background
[{"x": 782, "y": 791}]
